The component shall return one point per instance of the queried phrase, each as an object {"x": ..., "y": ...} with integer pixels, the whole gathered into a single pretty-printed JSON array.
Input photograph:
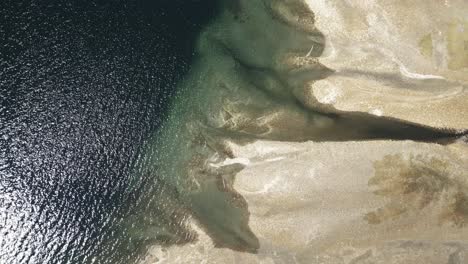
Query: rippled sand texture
[{"x": 268, "y": 154}]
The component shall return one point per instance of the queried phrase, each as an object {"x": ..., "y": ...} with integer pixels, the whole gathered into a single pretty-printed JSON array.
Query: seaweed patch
[{"x": 417, "y": 183}]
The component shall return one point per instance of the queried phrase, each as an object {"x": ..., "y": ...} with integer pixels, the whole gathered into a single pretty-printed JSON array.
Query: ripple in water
[{"x": 82, "y": 88}]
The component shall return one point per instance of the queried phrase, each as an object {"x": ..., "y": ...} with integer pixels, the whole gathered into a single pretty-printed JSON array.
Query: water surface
[{"x": 82, "y": 88}]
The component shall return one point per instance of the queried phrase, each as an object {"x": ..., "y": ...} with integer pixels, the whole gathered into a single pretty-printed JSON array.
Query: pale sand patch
[
  {"x": 312, "y": 205},
  {"x": 407, "y": 58}
]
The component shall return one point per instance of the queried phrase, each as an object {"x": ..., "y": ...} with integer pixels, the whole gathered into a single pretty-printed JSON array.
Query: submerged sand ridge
[{"x": 306, "y": 133}]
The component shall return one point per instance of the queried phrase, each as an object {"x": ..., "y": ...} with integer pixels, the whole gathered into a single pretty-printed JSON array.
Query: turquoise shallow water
[{"x": 240, "y": 89}]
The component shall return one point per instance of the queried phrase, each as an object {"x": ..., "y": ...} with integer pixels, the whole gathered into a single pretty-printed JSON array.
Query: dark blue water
[{"x": 83, "y": 86}]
